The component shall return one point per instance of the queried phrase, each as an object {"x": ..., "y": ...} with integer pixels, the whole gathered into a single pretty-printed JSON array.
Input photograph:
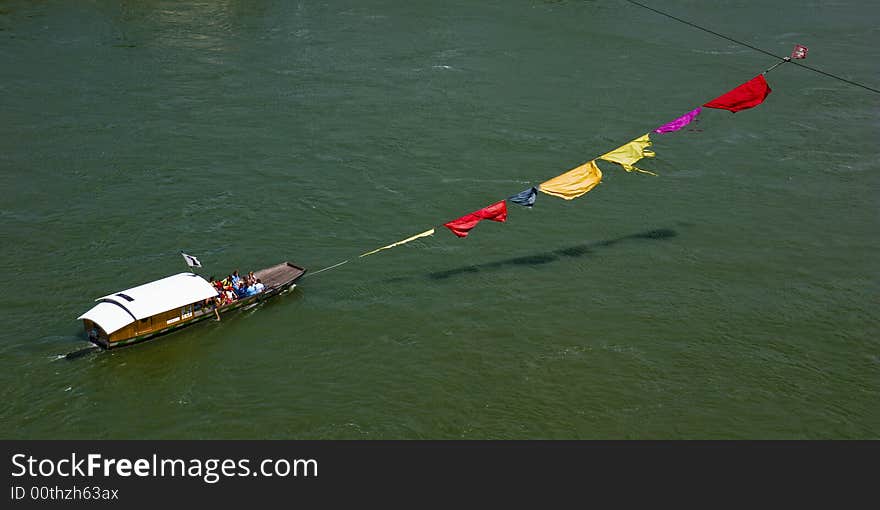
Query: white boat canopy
[
  {"x": 118, "y": 310},
  {"x": 109, "y": 316}
]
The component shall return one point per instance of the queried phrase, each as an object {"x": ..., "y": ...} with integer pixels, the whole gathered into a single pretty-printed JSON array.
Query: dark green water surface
[{"x": 734, "y": 296}]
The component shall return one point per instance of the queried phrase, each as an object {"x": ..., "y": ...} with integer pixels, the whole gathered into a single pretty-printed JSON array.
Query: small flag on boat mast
[
  {"x": 191, "y": 261},
  {"x": 799, "y": 51}
]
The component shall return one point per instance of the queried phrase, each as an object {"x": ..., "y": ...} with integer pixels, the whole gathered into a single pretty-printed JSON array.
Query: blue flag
[{"x": 525, "y": 197}]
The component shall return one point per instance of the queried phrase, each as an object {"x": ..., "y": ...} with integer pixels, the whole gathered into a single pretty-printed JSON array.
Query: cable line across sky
[{"x": 760, "y": 50}]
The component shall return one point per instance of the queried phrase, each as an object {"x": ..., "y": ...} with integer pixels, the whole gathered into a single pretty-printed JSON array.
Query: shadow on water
[{"x": 538, "y": 259}]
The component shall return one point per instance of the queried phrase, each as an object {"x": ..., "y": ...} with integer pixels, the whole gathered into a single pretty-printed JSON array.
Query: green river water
[{"x": 733, "y": 296}]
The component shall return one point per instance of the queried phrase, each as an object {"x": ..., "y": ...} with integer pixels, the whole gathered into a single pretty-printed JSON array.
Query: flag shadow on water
[{"x": 538, "y": 259}]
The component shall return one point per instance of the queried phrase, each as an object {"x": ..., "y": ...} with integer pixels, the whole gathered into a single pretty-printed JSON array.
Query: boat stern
[{"x": 96, "y": 334}]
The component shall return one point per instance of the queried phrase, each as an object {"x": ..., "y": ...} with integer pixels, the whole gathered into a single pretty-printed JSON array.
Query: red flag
[
  {"x": 799, "y": 51},
  {"x": 747, "y": 95},
  {"x": 494, "y": 212}
]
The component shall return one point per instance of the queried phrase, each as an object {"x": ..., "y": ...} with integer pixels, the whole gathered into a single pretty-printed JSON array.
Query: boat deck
[{"x": 279, "y": 275}]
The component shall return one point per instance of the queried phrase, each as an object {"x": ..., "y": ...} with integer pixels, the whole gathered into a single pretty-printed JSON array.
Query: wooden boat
[{"x": 158, "y": 307}]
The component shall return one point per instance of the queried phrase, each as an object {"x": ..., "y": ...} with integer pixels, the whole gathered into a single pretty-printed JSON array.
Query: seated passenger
[
  {"x": 251, "y": 290},
  {"x": 240, "y": 289},
  {"x": 234, "y": 277},
  {"x": 259, "y": 286}
]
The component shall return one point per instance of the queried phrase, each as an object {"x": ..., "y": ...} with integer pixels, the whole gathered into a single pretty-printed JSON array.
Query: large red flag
[
  {"x": 463, "y": 225},
  {"x": 747, "y": 95}
]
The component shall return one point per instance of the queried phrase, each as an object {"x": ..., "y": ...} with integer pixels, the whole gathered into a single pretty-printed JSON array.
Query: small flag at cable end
[
  {"x": 191, "y": 261},
  {"x": 799, "y": 51}
]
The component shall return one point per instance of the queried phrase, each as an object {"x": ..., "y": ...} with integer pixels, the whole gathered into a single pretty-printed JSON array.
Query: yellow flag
[
  {"x": 398, "y": 243},
  {"x": 573, "y": 183},
  {"x": 628, "y": 154}
]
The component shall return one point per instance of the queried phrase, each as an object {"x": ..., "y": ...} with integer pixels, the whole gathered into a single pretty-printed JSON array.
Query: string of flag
[
  {"x": 580, "y": 180},
  {"x": 583, "y": 178}
]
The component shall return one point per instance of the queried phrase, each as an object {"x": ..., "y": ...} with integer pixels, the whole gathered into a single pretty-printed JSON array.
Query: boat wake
[{"x": 93, "y": 349}]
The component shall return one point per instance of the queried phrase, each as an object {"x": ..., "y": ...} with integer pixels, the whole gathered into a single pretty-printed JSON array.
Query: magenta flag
[{"x": 679, "y": 123}]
